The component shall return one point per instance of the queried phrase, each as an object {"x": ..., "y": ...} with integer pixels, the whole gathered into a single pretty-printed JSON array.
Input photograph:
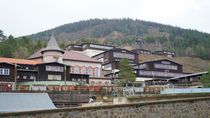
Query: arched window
[
  {"x": 96, "y": 72},
  {"x": 83, "y": 70},
  {"x": 76, "y": 69},
  {"x": 106, "y": 83},
  {"x": 99, "y": 83},
  {"x": 72, "y": 69},
  {"x": 89, "y": 71},
  {"x": 92, "y": 83}
]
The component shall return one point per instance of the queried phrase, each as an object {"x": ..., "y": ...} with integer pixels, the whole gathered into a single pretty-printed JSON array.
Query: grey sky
[{"x": 24, "y": 17}]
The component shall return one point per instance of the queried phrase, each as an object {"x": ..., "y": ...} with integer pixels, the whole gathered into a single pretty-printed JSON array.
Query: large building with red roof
[{"x": 51, "y": 66}]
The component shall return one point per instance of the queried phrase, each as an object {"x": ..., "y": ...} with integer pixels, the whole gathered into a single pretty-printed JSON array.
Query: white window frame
[
  {"x": 54, "y": 68},
  {"x": 96, "y": 72},
  {"x": 83, "y": 70},
  {"x": 4, "y": 71},
  {"x": 54, "y": 77},
  {"x": 89, "y": 70},
  {"x": 76, "y": 69}
]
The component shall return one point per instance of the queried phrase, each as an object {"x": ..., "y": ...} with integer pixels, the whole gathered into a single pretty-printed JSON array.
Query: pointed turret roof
[{"x": 52, "y": 45}]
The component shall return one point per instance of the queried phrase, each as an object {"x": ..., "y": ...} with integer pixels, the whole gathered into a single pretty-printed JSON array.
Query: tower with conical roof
[{"x": 52, "y": 53}]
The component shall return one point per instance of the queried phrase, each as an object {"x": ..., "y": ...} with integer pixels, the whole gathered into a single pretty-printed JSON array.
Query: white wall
[
  {"x": 52, "y": 56},
  {"x": 91, "y": 52}
]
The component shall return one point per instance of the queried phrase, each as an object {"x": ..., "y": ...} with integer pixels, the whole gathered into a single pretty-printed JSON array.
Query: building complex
[{"x": 52, "y": 68}]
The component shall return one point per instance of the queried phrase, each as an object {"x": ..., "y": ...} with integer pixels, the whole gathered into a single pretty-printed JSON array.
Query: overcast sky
[{"x": 24, "y": 17}]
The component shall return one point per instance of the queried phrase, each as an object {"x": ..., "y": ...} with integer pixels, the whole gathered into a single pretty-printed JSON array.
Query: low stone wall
[
  {"x": 68, "y": 99},
  {"x": 177, "y": 108}
]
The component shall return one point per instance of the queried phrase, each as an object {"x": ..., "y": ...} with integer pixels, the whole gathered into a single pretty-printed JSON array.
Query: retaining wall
[{"x": 178, "y": 108}]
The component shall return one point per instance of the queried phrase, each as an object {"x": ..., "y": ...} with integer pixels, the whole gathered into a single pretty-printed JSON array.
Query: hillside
[
  {"x": 125, "y": 32},
  {"x": 190, "y": 64}
]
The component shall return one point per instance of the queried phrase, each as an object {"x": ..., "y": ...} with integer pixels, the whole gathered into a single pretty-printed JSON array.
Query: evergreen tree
[
  {"x": 2, "y": 36},
  {"x": 205, "y": 80},
  {"x": 126, "y": 71}
]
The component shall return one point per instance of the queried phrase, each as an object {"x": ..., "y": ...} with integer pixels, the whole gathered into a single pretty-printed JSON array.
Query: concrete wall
[{"x": 179, "y": 108}]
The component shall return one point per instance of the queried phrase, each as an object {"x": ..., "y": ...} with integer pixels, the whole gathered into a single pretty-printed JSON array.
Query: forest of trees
[
  {"x": 21, "y": 47},
  {"x": 183, "y": 41},
  {"x": 118, "y": 32}
]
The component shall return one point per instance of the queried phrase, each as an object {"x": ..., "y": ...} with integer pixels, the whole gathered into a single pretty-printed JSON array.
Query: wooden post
[{"x": 15, "y": 84}]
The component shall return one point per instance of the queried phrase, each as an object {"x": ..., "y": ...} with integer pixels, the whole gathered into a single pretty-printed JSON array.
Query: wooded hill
[
  {"x": 190, "y": 45},
  {"x": 124, "y": 32}
]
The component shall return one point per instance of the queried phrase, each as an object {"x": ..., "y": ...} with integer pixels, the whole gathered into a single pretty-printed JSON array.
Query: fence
[{"x": 184, "y": 90}]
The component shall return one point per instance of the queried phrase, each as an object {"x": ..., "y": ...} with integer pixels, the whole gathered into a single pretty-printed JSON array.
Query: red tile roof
[
  {"x": 74, "y": 55},
  {"x": 69, "y": 55},
  {"x": 19, "y": 61}
]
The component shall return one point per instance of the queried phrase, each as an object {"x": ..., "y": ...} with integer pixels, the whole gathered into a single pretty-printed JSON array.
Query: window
[
  {"x": 24, "y": 77},
  {"x": 83, "y": 71},
  {"x": 32, "y": 77},
  {"x": 164, "y": 66},
  {"x": 1, "y": 71},
  {"x": 72, "y": 69},
  {"x": 89, "y": 71},
  {"x": 100, "y": 46},
  {"x": 123, "y": 55},
  {"x": 84, "y": 81},
  {"x": 54, "y": 68},
  {"x": 99, "y": 83},
  {"x": 92, "y": 83},
  {"x": 4, "y": 71},
  {"x": 160, "y": 74},
  {"x": 54, "y": 77},
  {"x": 76, "y": 69},
  {"x": 57, "y": 77},
  {"x": 106, "y": 83},
  {"x": 107, "y": 66},
  {"x": 96, "y": 72},
  {"x": 18, "y": 77},
  {"x": 142, "y": 66},
  {"x": 166, "y": 62}
]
